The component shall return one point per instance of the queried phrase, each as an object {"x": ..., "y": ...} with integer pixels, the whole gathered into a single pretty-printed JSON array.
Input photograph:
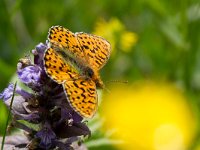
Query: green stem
[{"x": 9, "y": 113}]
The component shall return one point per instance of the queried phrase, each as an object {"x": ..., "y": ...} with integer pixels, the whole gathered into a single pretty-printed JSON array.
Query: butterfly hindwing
[{"x": 82, "y": 96}]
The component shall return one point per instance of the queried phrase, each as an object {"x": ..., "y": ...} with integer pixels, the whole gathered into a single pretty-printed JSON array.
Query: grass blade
[{"x": 4, "y": 135}]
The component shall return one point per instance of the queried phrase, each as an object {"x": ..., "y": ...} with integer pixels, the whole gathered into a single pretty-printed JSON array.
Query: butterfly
[{"x": 74, "y": 60}]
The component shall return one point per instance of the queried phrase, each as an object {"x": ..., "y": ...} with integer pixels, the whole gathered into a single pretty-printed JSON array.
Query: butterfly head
[
  {"x": 91, "y": 74},
  {"x": 99, "y": 83}
]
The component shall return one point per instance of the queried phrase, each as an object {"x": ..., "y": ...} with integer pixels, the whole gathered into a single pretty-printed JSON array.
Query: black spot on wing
[{"x": 85, "y": 46}]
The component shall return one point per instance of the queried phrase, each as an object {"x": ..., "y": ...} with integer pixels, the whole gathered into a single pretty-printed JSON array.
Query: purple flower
[
  {"x": 29, "y": 75},
  {"x": 17, "y": 105},
  {"x": 12, "y": 142},
  {"x": 7, "y": 93},
  {"x": 46, "y": 136},
  {"x": 38, "y": 53},
  {"x": 44, "y": 114}
]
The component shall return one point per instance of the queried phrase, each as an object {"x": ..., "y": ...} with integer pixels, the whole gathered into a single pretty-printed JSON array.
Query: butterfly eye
[{"x": 89, "y": 72}]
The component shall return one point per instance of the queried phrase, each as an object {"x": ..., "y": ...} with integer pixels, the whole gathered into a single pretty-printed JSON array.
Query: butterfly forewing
[
  {"x": 95, "y": 48},
  {"x": 65, "y": 40},
  {"x": 56, "y": 68}
]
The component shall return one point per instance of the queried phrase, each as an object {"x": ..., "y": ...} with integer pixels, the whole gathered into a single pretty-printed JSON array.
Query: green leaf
[
  {"x": 101, "y": 142},
  {"x": 33, "y": 126}
]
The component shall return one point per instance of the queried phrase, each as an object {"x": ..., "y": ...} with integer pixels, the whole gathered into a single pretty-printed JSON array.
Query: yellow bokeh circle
[{"x": 149, "y": 116}]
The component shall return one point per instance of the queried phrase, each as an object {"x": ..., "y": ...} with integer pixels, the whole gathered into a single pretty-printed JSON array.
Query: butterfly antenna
[
  {"x": 117, "y": 81},
  {"x": 106, "y": 89},
  {"x": 113, "y": 81}
]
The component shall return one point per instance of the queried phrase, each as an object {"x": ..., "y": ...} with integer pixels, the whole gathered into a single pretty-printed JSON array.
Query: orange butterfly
[{"x": 74, "y": 60}]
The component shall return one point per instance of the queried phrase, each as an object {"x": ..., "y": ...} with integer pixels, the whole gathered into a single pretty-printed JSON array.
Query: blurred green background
[{"x": 155, "y": 47}]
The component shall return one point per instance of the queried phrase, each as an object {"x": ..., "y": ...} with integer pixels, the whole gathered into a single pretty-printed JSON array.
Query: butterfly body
[
  {"x": 74, "y": 60},
  {"x": 86, "y": 71}
]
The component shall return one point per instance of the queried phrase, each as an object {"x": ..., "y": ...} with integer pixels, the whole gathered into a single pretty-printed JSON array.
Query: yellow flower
[
  {"x": 149, "y": 116},
  {"x": 114, "y": 31},
  {"x": 128, "y": 39}
]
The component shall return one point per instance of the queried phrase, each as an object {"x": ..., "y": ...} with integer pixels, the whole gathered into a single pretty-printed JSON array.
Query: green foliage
[
  {"x": 32, "y": 126},
  {"x": 168, "y": 45},
  {"x": 3, "y": 117}
]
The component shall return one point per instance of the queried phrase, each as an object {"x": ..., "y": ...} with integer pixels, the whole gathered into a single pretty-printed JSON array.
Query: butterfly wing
[
  {"x": 82, "y": 96},
  {"x": 96, "y": 49},
  {"x": 81, "y": 93},
  {"x": 89, "y": 50},
  {"x": 57, "y": 68},
  {"x": 65, "y": 40}
]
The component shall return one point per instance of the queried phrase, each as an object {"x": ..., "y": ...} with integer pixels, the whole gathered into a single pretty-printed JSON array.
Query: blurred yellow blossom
[
  {"x": 128, "y": 39},
  {"x": 149, "y": 116},
  {"x": 115, "y": 32}
]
